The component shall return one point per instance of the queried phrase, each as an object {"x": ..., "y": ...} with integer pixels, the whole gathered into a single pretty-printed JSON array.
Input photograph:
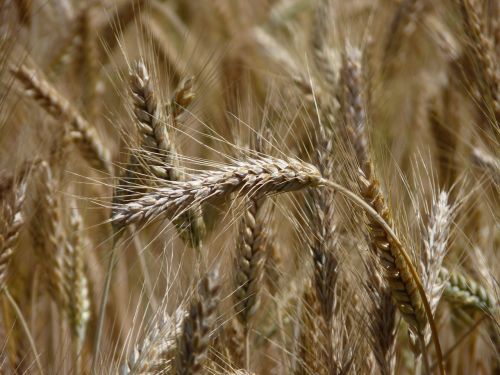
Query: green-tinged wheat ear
[
  {"x": 197, "y": 326},
  {"x": 11, "y": 222},
  {"x": 465, "y": 292},
  {"x": 55, "y": 104}
]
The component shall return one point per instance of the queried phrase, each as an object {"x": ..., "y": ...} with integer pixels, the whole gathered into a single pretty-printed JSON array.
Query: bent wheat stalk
[{"x": 261, "y": 176}]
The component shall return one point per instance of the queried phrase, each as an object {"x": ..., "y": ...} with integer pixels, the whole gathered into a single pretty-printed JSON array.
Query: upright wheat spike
[
  {"x": 435, "y": 247},
  {"x": 322, "y": 60},
  {"x": 156, "y": 352},
  {"x": 312, "y": 353},
  {"x": 381, "y": 319},
  {"x": 249, "y": 260},
  {"x": 11, "y": 222},
  {"x": 88, "y": 61},
  {"x": 251, "y": 250},
  {"x": 76, "y": 282},
  {"x": 181, "y": 99},
  {"x": 402, "y": 284},
  {"x": 323, "y": 239},
  {"x": 83, "y": 134},
  {"x": 49, "y": 237},
  {"x": 482, "y": 53},
  {"x": 151, "y": 122},
  {"x": 157, "y": 144},
  {"x": 434, "y": 251},
  {"x": 403, "y": 24},
  {"x": 197, "y": 326}
]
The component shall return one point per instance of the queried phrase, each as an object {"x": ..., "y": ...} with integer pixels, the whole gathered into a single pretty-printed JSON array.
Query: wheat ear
[
  {"x": 10, "y": 225},
  {"x": 489, "y": 164},
  {"x": 482, "y": 51},
  {"x": 156, "y": 141},
  {"x": 255, "y": 176},
  {"x": 323, "y": 239},
  {"x": 433, "y": 253},
  {"x": 156, "y": 351},
  {"x": 381, "y": 320},
  {"x": 83, "y": 134},
  {"x": 407, "y": 290},
  {"x": 197, "y": 326},
  {"x": 249, "y": 260},
  {"x": 463, "y": 291},
  {"x": 311, "y": 349},
  {"x": 76, "y": 282},
  {"x": 48, "y": 226}
]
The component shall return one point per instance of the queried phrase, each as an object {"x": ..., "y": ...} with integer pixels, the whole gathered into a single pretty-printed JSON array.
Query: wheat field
[{"x": 249, "y": 187}]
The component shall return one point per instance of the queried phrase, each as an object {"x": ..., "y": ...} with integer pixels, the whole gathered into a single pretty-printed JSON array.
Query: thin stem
[
  {"x": 24, "y": 325},
  {"x": 375, "y": 216},
  {"x": 461, "y": 339},
  {"x": 144, "y": 269},
  {"x": 425, "y": 360},
  {"x": 247, "y": 348},
  {"x": 102, "y": 308}
]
